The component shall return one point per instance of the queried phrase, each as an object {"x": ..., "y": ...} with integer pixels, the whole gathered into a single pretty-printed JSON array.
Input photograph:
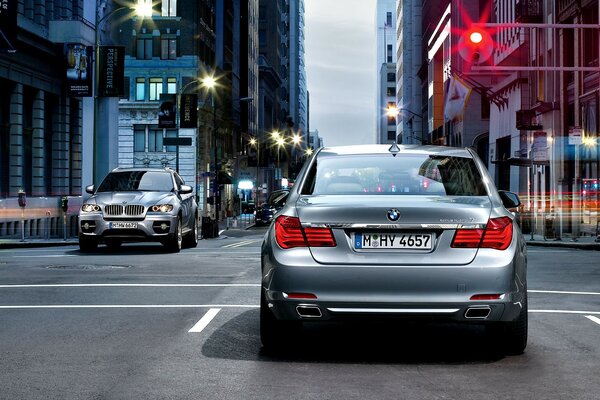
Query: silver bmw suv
[{"x": 139, "y": 204}]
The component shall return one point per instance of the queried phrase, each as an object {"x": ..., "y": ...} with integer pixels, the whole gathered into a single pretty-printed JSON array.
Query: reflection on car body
[
  {"x": 421, "y": 234},
  {"x": 139, "y": 204}
]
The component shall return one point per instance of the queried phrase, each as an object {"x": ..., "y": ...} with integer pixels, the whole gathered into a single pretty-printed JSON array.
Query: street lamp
[
  {"x": 210, "y": 83},
  {"x": 254, "y": 142},
  {"x": 393, "y": 111},
  {"x": 141, "y": 9}
]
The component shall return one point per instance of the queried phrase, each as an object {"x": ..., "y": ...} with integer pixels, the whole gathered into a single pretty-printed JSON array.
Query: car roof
[
  {"x": 120, "y": 169},
  {"x": 384, "y": 149}
]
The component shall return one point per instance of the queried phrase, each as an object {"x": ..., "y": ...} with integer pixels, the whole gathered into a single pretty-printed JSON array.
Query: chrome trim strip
[
  {"x": 391, "y": 226},
  {"x": 395, "y": 310}
]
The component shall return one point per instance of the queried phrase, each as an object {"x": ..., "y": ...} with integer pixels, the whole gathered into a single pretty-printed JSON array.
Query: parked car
[
  {"x": 139, "y": 204},
  {"x": 419, "y": 234},
  {"x": 265, "y": 212}
]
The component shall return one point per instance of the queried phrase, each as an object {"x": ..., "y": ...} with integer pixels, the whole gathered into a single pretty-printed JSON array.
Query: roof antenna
[{"x": 394, "y": 149}]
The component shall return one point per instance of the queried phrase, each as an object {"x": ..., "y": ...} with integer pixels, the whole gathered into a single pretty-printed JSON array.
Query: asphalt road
[{"x": 144, "y": 324}]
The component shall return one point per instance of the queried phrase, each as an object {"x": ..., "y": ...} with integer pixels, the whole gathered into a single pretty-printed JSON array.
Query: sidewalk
[{"x": 583, "y": 242}]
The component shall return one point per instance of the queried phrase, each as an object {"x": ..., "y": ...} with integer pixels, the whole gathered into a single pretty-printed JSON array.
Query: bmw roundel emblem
[{"x": 393, "y": 215}]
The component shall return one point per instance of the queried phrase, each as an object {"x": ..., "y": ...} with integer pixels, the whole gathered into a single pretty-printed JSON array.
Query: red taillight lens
[
  {"x": 289, "y": 233},
  {"x": 497, "y": 235},
  {"x": 486, "y": 297}
]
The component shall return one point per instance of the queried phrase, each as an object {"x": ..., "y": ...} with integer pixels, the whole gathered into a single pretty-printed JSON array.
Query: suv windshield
[
  {"x": 409, "y": 174},
  {"x": 124, "y": 181}
]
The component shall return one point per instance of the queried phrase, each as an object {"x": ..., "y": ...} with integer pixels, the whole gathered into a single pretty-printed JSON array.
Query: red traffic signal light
[{"x": 475, "y": 45}]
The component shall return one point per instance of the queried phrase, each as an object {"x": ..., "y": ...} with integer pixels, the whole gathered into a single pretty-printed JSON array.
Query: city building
[{"x": 386, "y": 70}]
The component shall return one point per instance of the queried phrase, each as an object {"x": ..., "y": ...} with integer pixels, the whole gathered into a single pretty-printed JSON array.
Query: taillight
[
  {"x": 289, "y": 233},
  {"x": 497, "y": 235}
]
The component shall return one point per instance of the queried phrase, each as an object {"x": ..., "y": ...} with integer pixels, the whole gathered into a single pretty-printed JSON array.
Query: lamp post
[
  {"x": 254, "y": 142},
  {"x": 393, "y": 111},
  {"x": 140, "y": 9}
]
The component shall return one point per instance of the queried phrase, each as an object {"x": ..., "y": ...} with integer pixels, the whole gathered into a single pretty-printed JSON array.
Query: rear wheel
[
  {"x": 274, "y": 334},
  {"x": 174, "y": 241},
  {"x": 512, "y": 335},
  {"x": 87, "y": 244}
]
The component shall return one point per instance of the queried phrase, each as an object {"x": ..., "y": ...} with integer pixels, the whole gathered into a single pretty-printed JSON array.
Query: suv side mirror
[
  {"x": 89, "y": 189},
  {"x": 510, "y": 200},
  {"x": 185, "y": 189}
]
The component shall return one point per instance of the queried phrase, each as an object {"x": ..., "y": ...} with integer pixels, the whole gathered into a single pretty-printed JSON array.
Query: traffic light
[
  {"x": 64, "y": 203},
  {"x": 475, "y": 45}
]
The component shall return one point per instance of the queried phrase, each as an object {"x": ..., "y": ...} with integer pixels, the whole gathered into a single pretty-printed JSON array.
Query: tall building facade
[
  {"x": 46, "y": 112},
  {"x": 385, "y": 22},
  {"x": 411, "y": 113}
]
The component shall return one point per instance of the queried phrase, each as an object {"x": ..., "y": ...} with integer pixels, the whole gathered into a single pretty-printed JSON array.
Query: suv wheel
[
  {"x": 87, "y": 244},
  {"x": 174, "y": 241},
  {"x": 191, "y": 239}
]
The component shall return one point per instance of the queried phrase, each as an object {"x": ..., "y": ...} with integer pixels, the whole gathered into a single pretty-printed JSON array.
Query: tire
[
  {"x": 275, "y": 334},
  {"x": 512, "y": 335},
  {"x": 174, "y": 242},
  {"x": 113, "y": 244},
  {"x": 87, "y": 244},
  {"x": 191, "y": 239}
]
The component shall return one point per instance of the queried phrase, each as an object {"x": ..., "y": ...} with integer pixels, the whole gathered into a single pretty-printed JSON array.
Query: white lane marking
[
  {"x": 592, "y": 318},
  {"x": 75, "y": 306},
  {"x": 240, "y": 244},
  {"x": 563, "y": 292},
  {"x": 133, "y": 285},
  {"x": 205, "y": 320},
  {"x": 48, "y": 256},
  {"x": 564, "y": 312}
]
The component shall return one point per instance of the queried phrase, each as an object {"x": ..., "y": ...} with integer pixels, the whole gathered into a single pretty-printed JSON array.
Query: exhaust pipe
[
  {"x": 478, "y": 312},
  {"x": 308, "y": 311}
]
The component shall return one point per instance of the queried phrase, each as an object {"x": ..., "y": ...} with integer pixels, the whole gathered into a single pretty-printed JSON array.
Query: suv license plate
[
  {"x": 123, "y": 225},
  {"x": 385, "y": 241}
]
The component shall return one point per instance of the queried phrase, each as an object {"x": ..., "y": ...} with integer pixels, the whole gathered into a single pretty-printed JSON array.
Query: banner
[
  {"x": 456, "y": 99},
  {"x": 168, "y": 111},
  {"x": 8, "y": 26},
  {"x": 111, "y": 71},
  {"x": 78, "y": 69},
  {"x": 189, "y": 111}
]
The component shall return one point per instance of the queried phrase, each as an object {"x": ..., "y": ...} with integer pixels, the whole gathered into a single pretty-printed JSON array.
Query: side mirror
[
  {"x": 510, "y": 200},
  {"x": 185, "y": 189},
  {"x": 89, "y": 189}
]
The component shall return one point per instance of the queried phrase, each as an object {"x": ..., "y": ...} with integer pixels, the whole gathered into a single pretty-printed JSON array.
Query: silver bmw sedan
[{"x": 369, "y": 231}]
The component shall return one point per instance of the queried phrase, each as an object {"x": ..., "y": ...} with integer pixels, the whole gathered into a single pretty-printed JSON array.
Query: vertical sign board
[
  {"x": 111, "y": 67},
  {"x": 168, "y": 111},
  {"x": 78, "y": 69},
  {"x": 575, "y": 135},
  {"x": 8, "y": 26},
  {"x": 189, "y": 111},
  {"x": 540, "y": 144}
]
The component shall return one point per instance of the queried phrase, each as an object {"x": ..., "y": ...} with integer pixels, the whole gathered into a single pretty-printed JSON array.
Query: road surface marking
[
  {"x": 205, "y": 320},
  {"x": 133, "y": 285},
  {"x": 592, "y": 318},
  {"x": 240, "y": 244},
  {"x": 564, "y": 312},
  {"x": 563, "y": 292},
  {"x": 76, "y": 306},
  {"x": 47, "y": 256}
]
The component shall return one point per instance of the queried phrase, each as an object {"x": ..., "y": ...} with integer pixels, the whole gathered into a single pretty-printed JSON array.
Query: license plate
[
  {"x": 422, "y": 241},
  {"x": 123, "y": 225}
]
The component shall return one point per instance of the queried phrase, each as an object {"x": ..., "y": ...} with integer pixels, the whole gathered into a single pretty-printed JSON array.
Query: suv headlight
[
  {"x": 90, "y": 208},
  {"x": 164, "y": 208}
]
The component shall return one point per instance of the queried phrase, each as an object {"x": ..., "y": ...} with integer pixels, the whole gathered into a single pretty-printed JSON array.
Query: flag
[{"x": 457, "y": 97}]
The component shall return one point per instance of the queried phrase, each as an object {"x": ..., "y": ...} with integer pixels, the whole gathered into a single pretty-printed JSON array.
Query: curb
[
  {"x": 569, "y": 244},
  {"x": 29, "y": 245}
]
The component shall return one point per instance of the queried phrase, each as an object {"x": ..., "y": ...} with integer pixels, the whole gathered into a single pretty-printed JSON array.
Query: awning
[{"x": 225, "y": 178}]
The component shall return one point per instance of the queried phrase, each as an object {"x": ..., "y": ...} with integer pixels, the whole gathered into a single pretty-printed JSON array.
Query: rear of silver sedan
[{"x": 423, "y": 234}]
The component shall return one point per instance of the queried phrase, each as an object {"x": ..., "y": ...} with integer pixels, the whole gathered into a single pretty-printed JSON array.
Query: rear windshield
[
  {"x": 407, "y": 174},
  {"x": 154, "y": 181}
]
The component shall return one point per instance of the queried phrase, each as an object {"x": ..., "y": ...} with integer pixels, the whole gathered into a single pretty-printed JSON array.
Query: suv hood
[{"x": 142, "y": 198}]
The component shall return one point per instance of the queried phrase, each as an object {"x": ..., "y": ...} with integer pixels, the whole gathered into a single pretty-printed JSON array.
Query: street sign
[
  {"x": 540, "y": 144},
  {"x": 575, "y": 135},
  {"x": 177, "y": 141}
]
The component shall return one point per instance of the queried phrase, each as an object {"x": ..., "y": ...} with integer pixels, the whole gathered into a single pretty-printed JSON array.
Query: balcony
[
  {"x": 71, "y": 31},
  {"x": 528, "y": 11}
]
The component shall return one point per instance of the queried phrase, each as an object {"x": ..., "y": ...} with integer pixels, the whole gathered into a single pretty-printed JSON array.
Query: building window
[
  {"x": 391, "y": 91},
  {"x": 155, "y": 139},
  {"x": 391, "y": 135},
  {"x": 171, "y": 133},
  {"x": 140, "y": 89},
  {"x": 389, "y": 53},
  {"x": 391, "y": 77},
  {"x": 139, "y": 138},
  {"x": 168, "y": 49},
  {"x": 391, "y": 120},
  {"x": 156, "y": 89},
  {"x": 388, "y": 19},
  {"x": 169, "y": 8},
  {"x": 172, "y": 85},
  {"x": 144, "y": 48}
]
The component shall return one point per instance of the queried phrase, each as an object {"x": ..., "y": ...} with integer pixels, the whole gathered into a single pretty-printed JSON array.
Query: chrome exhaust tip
[
  {"x": 478, "y": 312},
  {"x": 309, "y": 311}
]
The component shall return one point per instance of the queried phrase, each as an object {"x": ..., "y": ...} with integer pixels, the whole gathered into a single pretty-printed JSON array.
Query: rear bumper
[{"x": 435, "y": 292}]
